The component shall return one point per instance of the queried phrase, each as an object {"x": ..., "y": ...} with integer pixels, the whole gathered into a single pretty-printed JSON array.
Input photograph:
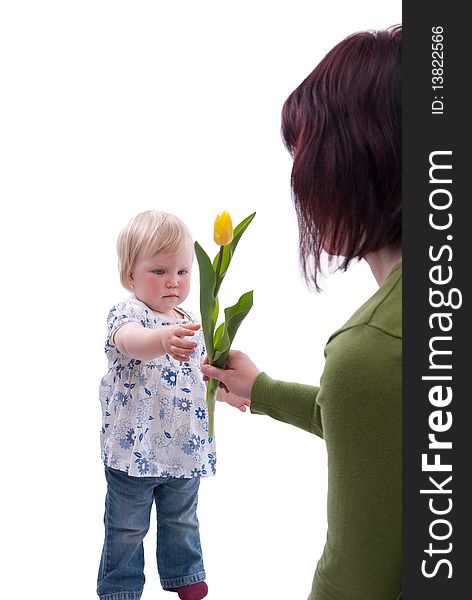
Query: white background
[{"x": 109, "y": 108}]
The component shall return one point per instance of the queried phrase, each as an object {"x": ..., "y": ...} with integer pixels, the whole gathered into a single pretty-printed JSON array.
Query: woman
[{"x": 342, "y": 126}]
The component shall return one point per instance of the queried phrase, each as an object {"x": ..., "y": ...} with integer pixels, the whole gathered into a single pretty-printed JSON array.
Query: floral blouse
[{"x": 154, "y": 415}]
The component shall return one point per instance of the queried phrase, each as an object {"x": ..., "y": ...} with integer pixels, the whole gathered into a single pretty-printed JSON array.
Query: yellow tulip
[{"x": 223, "y": 233}]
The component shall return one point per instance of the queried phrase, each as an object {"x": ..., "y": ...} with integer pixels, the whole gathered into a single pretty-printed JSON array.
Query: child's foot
[{"x": 196, "y": 591}]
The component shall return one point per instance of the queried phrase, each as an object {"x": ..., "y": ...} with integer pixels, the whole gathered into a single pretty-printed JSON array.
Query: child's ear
[{"x": 131, "y": 280}]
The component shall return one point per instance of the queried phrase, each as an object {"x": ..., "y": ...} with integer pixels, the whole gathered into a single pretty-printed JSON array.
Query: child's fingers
[
  {"x": 182, "y": 331},
  {"x": 191, "y": 326},
  {"x": 187, "y": 352},
  {"x": 179, "y": 342},
  {"x": 180, "y": 357}
]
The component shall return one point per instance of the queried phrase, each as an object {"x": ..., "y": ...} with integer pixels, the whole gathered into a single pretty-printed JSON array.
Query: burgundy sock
[{"x": 196, "y": 591}]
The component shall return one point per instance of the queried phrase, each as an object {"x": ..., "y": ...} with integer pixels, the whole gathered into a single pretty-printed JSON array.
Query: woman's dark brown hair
[{"x": 342, "y": 125}]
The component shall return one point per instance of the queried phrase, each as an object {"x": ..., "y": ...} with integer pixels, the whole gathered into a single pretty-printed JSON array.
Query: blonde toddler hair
[{"x": 151, "y": 229}]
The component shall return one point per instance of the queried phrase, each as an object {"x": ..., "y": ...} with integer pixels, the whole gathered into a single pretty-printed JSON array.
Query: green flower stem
[
  {"x": 211, "y": 390},
  {"x": 218, "y": 269},
  {"x": 212, "y": 385},
  {"x": 220, "y": 258}
]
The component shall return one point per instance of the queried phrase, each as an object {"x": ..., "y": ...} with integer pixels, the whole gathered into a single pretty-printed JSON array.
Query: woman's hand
[
  {"x": 237, "y": 378},
  {"x": 173, "y": 342},
  {"x": 223, "y": 395}
]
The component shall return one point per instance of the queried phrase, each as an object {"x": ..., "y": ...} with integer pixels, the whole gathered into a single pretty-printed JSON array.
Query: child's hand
[{"x": 173, "y": 341}]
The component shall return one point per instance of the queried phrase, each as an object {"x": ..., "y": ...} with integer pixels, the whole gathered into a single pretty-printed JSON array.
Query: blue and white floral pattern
[{"x": 154, "y": 415}]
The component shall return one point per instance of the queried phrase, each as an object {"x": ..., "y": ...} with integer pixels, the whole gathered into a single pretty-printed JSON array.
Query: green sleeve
[
  {"x": 291, "y": 403},
  {"x": 360, "y": 399},
  {"x": 357, "y": 410}
]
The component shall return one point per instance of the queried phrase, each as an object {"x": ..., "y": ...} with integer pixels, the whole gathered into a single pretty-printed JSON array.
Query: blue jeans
[{"x": 128, "y": 506}]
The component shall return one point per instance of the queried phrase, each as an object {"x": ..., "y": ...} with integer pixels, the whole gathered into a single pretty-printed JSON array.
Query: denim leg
[
  {"x": 179, "y": 553},
  {"x": 127, "y": 511}
]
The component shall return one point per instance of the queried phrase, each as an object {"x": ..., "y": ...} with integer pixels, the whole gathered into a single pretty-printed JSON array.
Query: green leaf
[
  {"x": 218, "y": 336},
  {"x": 234, "y": 316},
  {"x": 222, "y": 345},
  {"x": 207, "y": 297},
  {"x": 228, "y": 250},
  {"x": 216, "y": 311}
]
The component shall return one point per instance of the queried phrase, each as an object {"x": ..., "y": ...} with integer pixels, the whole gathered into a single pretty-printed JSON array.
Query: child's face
[{"x": 162, "y": 280}]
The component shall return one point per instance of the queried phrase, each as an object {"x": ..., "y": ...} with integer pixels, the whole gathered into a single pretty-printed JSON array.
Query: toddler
[{"x": 154, "y": 437}]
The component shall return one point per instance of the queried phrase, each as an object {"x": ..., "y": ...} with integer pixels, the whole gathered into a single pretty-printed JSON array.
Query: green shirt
[{"x": 358, "y": 411}]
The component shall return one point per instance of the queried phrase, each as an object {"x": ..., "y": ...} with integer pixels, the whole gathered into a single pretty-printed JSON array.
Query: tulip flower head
[{"x": 223, "y": 232}]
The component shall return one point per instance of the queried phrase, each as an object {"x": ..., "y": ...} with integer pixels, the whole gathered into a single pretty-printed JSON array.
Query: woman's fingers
[
  {"x": 238, "y": 376},
  {"x": 214, "y": 372}
]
